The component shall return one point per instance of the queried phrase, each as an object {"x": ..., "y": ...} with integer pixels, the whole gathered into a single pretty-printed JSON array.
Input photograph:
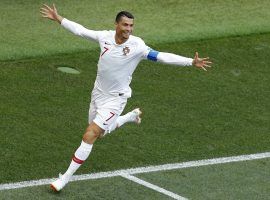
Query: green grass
[
  {"x": 109, "y": 188},
  {"x": 189, "y": 114},
  {"x": 241, "y": 180},
  {"x": 25, "y": 34}
]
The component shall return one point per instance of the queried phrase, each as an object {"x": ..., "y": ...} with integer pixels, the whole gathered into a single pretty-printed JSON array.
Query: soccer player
[{"x": 120, "y": 53}]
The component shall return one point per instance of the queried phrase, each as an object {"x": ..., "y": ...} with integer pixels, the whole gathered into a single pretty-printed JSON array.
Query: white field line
[
  {"x": 140, "y": 170},
  {"x": 152, "y": 186}
]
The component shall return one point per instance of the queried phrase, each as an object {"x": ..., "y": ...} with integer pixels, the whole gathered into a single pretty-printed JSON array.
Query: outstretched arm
[
  {"x": 77, "y": 29},
  {"x": 170, "y": 58},
  {"x": 51, "y": 13}
]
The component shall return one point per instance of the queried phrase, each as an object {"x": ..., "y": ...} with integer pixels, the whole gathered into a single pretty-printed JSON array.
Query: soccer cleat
[
  {"x": 60, "y": 183},
  {"x": 135, "y": 116}
]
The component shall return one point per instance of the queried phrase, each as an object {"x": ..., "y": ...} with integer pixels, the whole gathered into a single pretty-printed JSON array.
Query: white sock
[
  {"x": 123, "y": 119},
  {"x": 79, "y": 157}
]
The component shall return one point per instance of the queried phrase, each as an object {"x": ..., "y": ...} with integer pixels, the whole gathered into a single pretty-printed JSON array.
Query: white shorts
[{"x": 104, "y": 108}]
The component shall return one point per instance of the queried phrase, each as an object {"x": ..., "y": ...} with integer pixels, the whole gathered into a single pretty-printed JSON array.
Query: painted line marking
[
  {"x": 152, "y": 186},
  {"x": 140, "y": 170}
]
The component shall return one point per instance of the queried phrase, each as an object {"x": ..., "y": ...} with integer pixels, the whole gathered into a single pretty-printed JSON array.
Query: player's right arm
[
  {"x": 75, "y": 28},
  {"x": 51, "y": 13}
]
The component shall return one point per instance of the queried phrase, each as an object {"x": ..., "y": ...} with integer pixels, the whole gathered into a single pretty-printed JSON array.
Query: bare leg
[{"x": 92, "y": 133}]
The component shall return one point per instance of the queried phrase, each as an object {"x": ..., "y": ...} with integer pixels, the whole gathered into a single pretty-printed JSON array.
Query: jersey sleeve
[
  {"x": 147, "y": 52},
  {"x": 81, "y": 31},
  {"x": 144, "y": 49},
  {"x": 173, "y": 59},
  {"x": 167, "y": 58}
]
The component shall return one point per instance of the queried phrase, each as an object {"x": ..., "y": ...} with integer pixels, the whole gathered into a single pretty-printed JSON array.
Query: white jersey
[{"x": 116, "y": 62}]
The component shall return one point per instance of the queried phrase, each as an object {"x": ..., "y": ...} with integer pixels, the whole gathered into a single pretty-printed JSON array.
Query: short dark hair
[{"x": 123, "y": 14}]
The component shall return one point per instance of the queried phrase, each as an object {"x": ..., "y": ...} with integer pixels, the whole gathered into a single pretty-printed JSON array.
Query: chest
[{"x": 109, "y": 50}]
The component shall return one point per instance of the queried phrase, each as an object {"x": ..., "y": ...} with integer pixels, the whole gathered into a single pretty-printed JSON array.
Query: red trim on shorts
[{"x": 77, "y": 160}]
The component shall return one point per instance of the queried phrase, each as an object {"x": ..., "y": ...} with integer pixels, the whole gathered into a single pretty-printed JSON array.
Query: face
[{"x": 124, "y": 28}]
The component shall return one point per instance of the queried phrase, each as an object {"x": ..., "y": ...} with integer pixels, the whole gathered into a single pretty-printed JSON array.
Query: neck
[{"x": 120, "y": 40}]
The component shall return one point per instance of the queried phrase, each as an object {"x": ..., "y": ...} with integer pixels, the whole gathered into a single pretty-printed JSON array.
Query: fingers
[
  {"x": 48, "y": 12},
  {"x": 196, "y": 56},
  {"x": 54, "y": 8},
  {"x": 201, "y": 62},
  {"x": 43, "y": 14},
  {"x": 203, "y": 65},
  {"x": 49, "y": 8},
  {"x": 207, "y": 65},
  {"x": 43, "y": 11},
  {"x": 203, "y": 68}
]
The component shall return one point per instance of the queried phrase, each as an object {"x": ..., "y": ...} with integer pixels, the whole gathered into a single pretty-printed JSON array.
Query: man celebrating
[{"x": 120, "y": 54}]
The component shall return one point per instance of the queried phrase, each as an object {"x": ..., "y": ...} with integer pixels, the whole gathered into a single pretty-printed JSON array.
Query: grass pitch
[
  {"x": 238, "y": 180},
  {"x": 188, "y": 114},
  {"x": 25, "y": 34}
]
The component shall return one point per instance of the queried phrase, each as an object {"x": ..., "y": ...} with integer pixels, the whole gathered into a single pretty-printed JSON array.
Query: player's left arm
[{"x": 170, "y": 58}]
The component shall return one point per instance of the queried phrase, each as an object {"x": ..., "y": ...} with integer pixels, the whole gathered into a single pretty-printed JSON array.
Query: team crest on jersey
[{"x": 126, "y": 51}]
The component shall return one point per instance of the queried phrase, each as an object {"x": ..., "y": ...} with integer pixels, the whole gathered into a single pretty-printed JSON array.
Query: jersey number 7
[{"x": 106, "y": 49}]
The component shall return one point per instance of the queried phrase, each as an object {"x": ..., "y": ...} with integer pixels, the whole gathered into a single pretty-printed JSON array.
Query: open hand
[
  {"x": 201, "y": 62},
  {"x": 50, "y": 13}
]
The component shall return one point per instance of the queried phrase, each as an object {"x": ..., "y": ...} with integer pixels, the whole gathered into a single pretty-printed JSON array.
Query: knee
[{"x": 91, "y": 134}]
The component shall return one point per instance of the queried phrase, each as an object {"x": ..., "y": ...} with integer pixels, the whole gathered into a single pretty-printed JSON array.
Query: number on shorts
[{"x": 112, "y": 114}]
